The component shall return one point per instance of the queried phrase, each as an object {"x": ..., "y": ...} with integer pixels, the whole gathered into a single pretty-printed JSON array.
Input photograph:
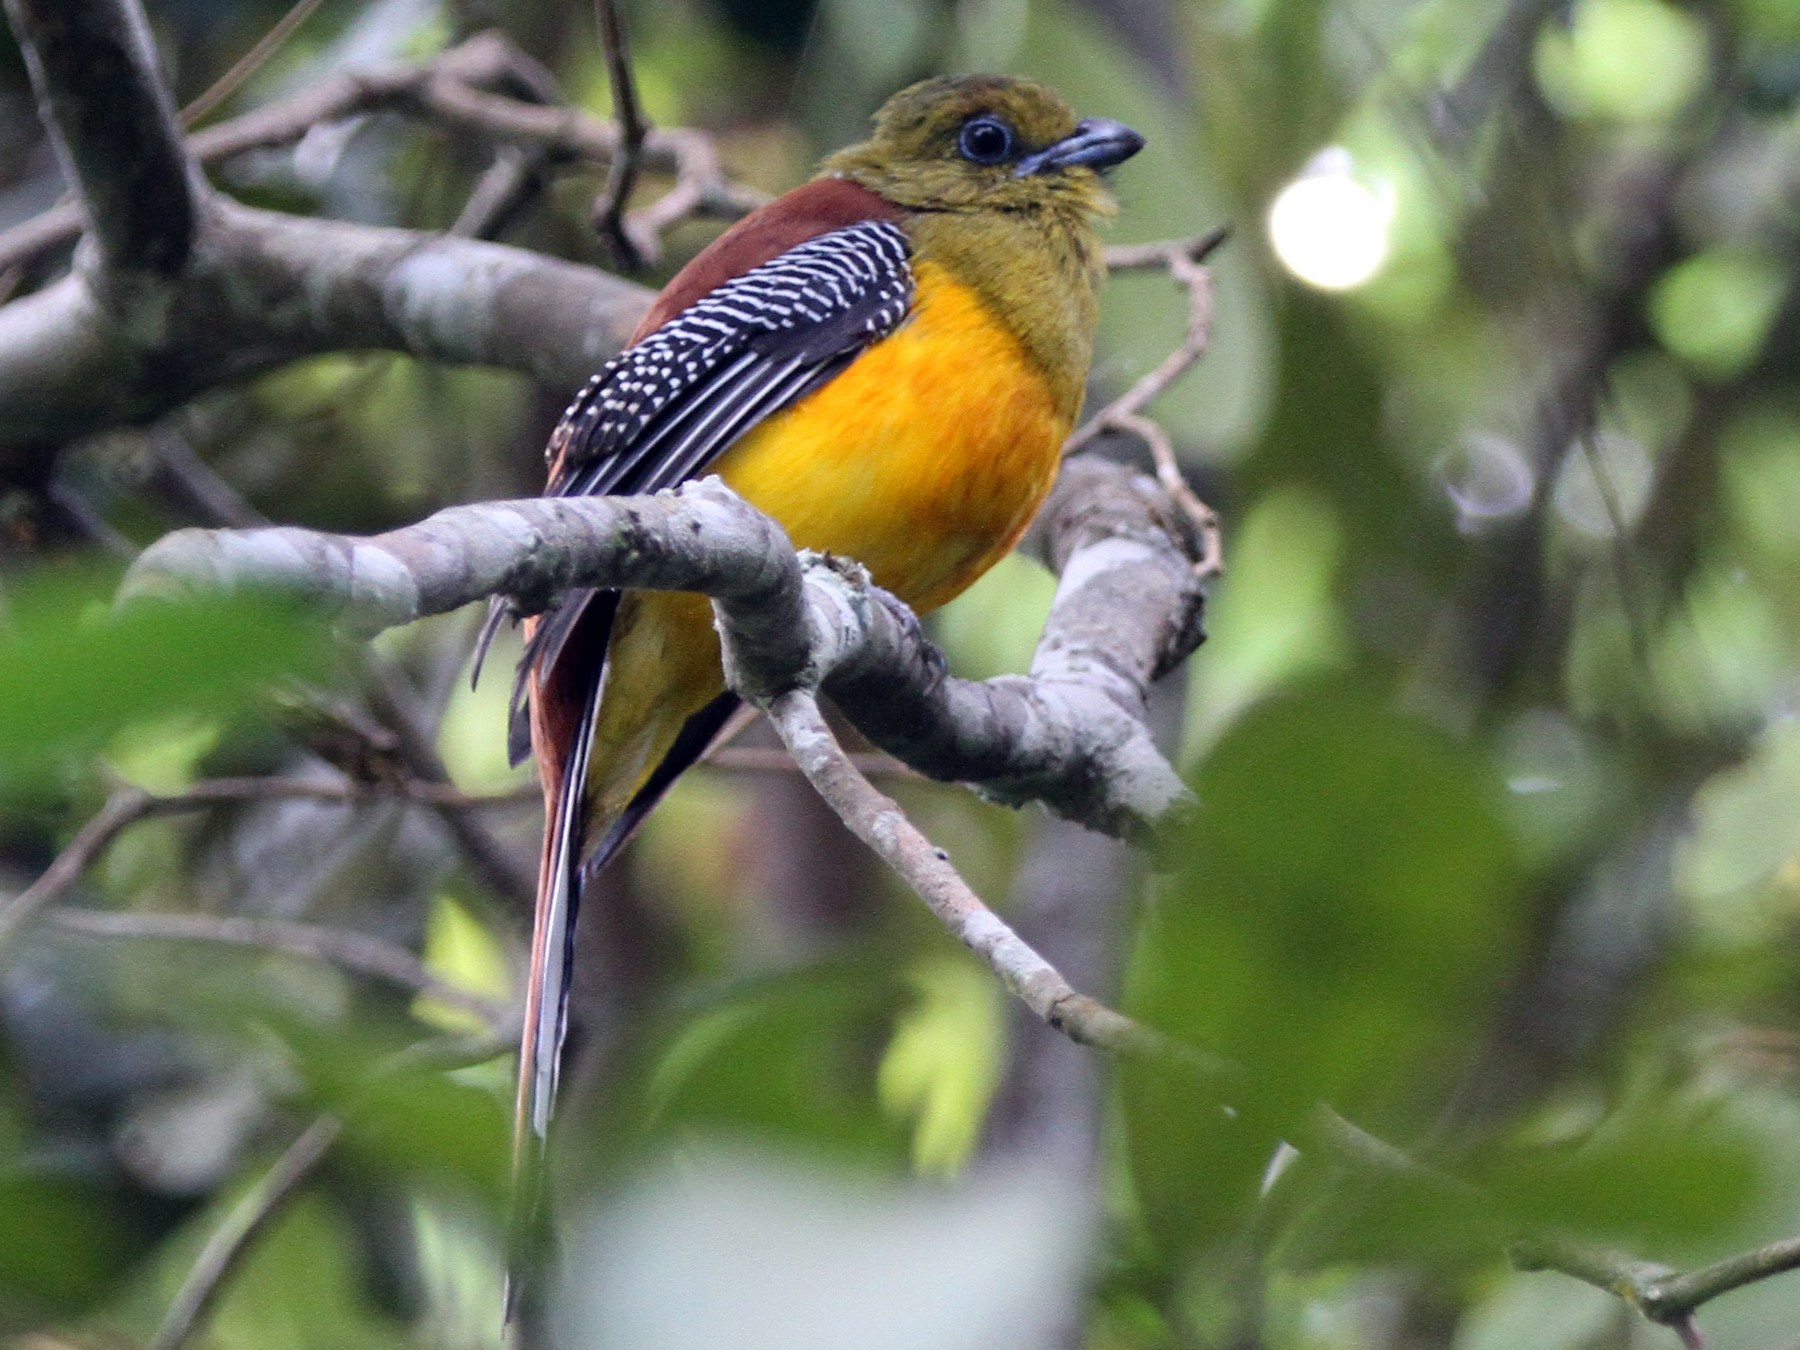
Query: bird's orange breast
[{"x": 924, "y": 460}]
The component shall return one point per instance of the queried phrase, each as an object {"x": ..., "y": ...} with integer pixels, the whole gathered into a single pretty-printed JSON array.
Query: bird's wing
[
  {"x": 661, "y": 411},
  {"x": 657, "y": 415}
]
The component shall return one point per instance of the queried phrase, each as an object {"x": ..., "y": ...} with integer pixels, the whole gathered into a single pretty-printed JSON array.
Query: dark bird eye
[{"x": 985, "y": 140}]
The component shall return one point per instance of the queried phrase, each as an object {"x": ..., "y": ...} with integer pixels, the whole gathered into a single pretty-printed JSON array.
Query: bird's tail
[
  {"x": 546, "y": 1011},
  {"x": 562, "y": 873}
]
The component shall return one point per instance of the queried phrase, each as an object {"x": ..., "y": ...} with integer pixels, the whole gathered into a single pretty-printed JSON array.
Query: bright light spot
[{"x": 1327, "y": 228}]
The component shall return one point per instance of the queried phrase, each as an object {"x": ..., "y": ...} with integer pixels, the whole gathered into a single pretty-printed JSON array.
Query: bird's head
[{"x": 987, "y": 142}]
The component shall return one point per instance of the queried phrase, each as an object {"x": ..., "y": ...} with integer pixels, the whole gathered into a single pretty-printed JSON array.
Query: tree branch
[
  {"x": 113, "y": 123},
  {"x": 129, "y": 805},
  {"x": 241, "y": 291},
  {"x": 1664, "y": 1295},
  {"x": 878, "y": 821},
  {"x": 246, "y": 66},
  {"x": 226, "y": 1248},
  {"x": 455, "y": 88},
  {"x": 356, "y": 952},
  {"x": 609, "y": 211},
  {"x": 268, "y": 289},
  {"x": 1185, "y": 261},
  {"x": 1071, "y": 736}
]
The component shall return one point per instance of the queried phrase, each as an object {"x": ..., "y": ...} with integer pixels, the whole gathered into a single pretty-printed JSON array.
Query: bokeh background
[{"x": 1494, "y": 737}]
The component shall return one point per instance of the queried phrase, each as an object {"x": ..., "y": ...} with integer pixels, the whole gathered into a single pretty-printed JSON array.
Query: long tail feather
[
  {"x": 560, "y": 883},
  {"x": 546, "y": 1009}
]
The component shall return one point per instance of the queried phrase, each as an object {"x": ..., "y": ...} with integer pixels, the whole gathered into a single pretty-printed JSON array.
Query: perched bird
[{"x": 887, "y": 361}]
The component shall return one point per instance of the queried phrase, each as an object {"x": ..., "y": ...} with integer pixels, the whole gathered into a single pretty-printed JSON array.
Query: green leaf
[
  {"x": 791, "y": 1059},
  {"x": 75, "y": 673},
  {"x": 62, "y": 1244},
  {"x": 1340, "y": 915}
]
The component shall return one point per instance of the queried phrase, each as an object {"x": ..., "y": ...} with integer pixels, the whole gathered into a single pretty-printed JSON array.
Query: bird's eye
[{"x": 986, "y": 140}]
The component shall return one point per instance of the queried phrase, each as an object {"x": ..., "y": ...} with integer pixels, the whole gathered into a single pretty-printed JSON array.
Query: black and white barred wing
[{"x": 663, "y": 410}]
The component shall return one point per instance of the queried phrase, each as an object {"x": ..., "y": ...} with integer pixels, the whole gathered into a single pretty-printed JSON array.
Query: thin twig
[
  {"x": 452, "y": 88},
  {"x": 769, "y": 759},
  {"x": 1665, "y": 1296},
  {"x": 128, "y": 805},
  {"x": 701, "y": 189},
  {"x": 505, "y": 187},
  {"x": 32, "y": 239},
  {"x": 878, "y": 821},
  {"x": 1185, "y": 262},
  {"x": 1211, "y": 562},
  {"x": 121, "y": 809},
  {"x": 621, "y": 177},
  {"x": 229, "y": 1243},
  {"x": 1155, "y": 256},
  {"x": 225, "y": 1250},
  {"x": 356, "y": 952},
  {"x": 249, "y": 63},
  {"x": 1675, "y": 1296}
]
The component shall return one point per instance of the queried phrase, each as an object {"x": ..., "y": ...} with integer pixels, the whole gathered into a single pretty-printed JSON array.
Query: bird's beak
[{"x": 1098, "y": 142}]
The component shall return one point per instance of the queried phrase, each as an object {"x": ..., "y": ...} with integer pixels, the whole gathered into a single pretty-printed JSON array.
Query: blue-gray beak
[{"x": 1098, "y": 143}]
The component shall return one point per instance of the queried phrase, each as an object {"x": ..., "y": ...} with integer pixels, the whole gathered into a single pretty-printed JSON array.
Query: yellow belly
[{"x": 925, "y": 460}]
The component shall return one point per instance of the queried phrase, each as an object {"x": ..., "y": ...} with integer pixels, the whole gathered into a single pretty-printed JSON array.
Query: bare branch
[
  {"x": 454, "y": 88},
  {"x": 486, "y": 60},
  {"x": 1185, "y": 261},
  {"x": 110, "y": 117},
  {"x": 701, "y": 189},
  {"x": 1211, "y": 562},
  {"x": 609, "y": 211},
  {"x": 757, "y": 759},
  {"x": 878, "y": 821},
  {"x": 356, "y": 952},
  {"x": 501, "y": 193},
  {"x": 261, "y": 289},
  {"x": 1676, "y": 1295},
  {"x": 229, "y": 1243},
  {"x": 700, "y": 537},
  {"x": 271, "y": 288},
  {"x": 122, "y": 809},
  {"x": 129, "y": 805},
  {"x": 31, "y": 239},
  {"x": 701, "y": 186},
  {"x": 1664, "y": 1295},
  {"x": 249, "y": 63},
  {"x": 1072, "y": 735}
]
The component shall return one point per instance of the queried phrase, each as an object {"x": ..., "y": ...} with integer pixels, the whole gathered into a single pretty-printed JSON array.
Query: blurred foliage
[{"x": 1498, "y": 847}]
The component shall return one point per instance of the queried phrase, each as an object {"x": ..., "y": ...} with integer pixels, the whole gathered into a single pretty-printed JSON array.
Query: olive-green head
[{"x": 989, "y": 143}]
